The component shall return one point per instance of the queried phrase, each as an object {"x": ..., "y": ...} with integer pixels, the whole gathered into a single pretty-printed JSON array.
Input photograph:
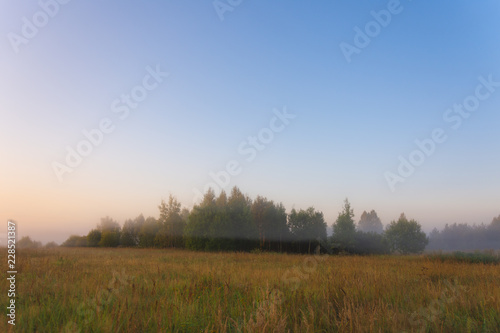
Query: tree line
[
  {"x": 235, "y": 222},
  {"x": 465, "y": 237}
]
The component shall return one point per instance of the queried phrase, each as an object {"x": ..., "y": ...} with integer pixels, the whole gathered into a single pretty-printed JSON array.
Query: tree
[
  {"x": 221, "y": 224},
  {"x": 278, "y": 231},
  {"x": 185, "y": 215},
  {"x": 370, "y": 222},
  {"x": 27, "y": 243},
  {"x": 370, "y": 243},
  {"x": 148, "y": 232},
  {"x": 109, "y": 239},
  {"x": 271, "y": 223},
  {"x": 308, "y": 228},
  {"x": 129, "y": 236},
  {"x": 241, "y": 228},
  {"x": 495, "y": 223},
  {"x": 110, "y": 232},
  {"x": 464, "y": 237},
  {"x": 209, "y": 198},
  {"x": 221, "y": 200},
  {"x": 108, "y": 224},
  {"x": 75, "y": 241},
  {"x": 200, "y": 227},
  {"x": 344, "y": 230},
  {"x": 172, "y": 224},
  {"x": 51, "y": 245},
  {"x": 130, "y": 231},
  {"x": 93, "y": 238},
  {"x": 405, "y": 236},
  {"x": 492, "y": 239}
]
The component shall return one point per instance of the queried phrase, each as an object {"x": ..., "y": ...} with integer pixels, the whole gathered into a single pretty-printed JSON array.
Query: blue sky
[{"x": 353, "y": 119}]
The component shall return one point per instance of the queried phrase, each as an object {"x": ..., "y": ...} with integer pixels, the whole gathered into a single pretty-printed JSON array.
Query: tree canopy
[
  {"x": 370, "y": 222},
  {"x": 344, "y": 229},
  {"x": 405, "y": 236}
]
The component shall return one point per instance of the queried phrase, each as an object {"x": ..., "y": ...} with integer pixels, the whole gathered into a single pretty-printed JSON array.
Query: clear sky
[{"x": 362, "y": 86}]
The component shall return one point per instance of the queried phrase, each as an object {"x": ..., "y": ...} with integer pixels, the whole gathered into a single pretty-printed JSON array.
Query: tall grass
[
  {"x": 146, "y": 290},
  {"x": 478, "y": 257}
]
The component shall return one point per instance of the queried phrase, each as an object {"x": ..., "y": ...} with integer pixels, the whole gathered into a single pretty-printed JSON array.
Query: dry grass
[{"x": 134, "y": 290}]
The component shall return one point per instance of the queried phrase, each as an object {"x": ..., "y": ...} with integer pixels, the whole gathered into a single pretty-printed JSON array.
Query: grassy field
[{"x": 135, "y": 290}]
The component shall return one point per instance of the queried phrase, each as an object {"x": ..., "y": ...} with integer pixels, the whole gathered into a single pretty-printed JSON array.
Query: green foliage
[
  {"x": 93, "y": 238},
  {"x": 405, "y": 236},
  {"x": 197, "y": 231},
  {"x": 110, "y": 239},
  {"x": 370, "y": 243},
  {"x": 344, "y": 230},
  {"x": 308, "y": 228},
  {"x": 240, "y": 225},
  {"x": 130, "y": 232},
  {"x": 271, "y": 223},
  {"x": 107, "y": 234},
  {"x": 203, "y": 222},
  {"x": 370, "y": 222},
  {"x": 236, "y": 223},
  {"x": 27, "y": 243},
  {"x": 172, "y": 224},
  {"x": 148, "y": 231},
  {"x": 108, "y": 224},
  {"x": 127, "y": 237},
  {"x": 75, "y": 241},
  {"x": 222, "y": 224}
]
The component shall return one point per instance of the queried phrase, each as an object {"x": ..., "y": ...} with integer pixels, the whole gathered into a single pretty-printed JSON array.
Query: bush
[
  {"x": 51, "y": 245},
  {"x": 371, "y": 243},
  {"x": 75, "y": 241},
  {"x": 27, "y": 243},
  {"x": 405, "y": 236},
  {"x": 94, "y": 237},
  {"x": 110, "y": 239}
]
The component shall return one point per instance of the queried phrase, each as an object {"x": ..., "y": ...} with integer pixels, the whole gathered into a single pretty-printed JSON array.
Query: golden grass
[{"x": 146, "y": 290}]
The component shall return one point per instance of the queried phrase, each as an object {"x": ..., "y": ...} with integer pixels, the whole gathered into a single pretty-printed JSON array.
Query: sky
[{"x": 108, "y": 107}]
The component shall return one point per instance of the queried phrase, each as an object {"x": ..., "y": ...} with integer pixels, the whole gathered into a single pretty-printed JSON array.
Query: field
[{"x": 145, "y": 290}]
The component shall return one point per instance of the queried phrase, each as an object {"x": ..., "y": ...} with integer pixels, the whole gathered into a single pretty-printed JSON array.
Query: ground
[{"x": 152, "y": 290}]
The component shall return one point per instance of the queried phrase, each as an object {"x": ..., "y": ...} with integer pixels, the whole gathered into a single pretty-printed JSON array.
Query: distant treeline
[
  {"x": 464, "y": 237},
  {"x": 238, "y": 223}
]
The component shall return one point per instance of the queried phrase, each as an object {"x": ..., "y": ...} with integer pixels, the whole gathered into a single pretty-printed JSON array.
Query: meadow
[{"x": 153, "y": 290}]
